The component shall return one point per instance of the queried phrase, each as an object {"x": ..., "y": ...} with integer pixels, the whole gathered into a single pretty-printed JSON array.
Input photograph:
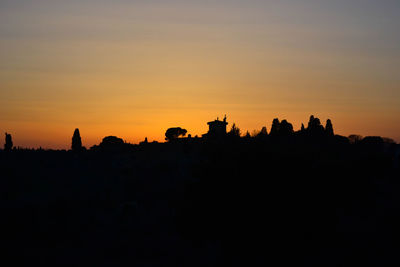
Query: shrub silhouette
[
  {"x": 9, "y": 143},
  {"x": 76, "y": 141},
  {"x": 173, "y": 133}
]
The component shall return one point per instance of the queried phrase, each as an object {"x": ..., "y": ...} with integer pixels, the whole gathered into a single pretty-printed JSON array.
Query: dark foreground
[{"x": 241, "y": 203}]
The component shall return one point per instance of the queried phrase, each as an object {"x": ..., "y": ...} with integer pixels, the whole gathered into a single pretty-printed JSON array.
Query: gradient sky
[{"x": 135, "y": 68}]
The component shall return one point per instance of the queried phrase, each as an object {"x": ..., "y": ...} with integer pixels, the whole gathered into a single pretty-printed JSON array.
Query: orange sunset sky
[{"x": 135, "y": 68}]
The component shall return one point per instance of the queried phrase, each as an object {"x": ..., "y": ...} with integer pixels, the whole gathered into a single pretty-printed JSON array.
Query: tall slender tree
[
  {"x": 275, "y": 128},
  {"x": 76, "y": 141},
  {"x": 329, "y": 128},
  {"x": 9, "y": 143},
  {"x": 310, "y": 122}
]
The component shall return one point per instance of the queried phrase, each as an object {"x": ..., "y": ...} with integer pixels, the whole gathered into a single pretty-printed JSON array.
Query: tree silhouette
[
  {"x": 112, "y": 141},
  {"x": 388, "y": 140},
  {"x": 310, "y": 122},
  {"x": 263, "y": 132},
  {"x": 329, "y": 128},
  {"x": 173, "y": 133},
  {"x": 302, "y": 127},
  {"x": 314, "y": 127},
  {"x": 76, "y": 141},
  {"x": 354, "y": 138},
  {"x": 9, "y": 143},
  {"x": 285, "y": 128},
  {"x": 235, "y": 131},
  {"x": 275, "y": 127}
]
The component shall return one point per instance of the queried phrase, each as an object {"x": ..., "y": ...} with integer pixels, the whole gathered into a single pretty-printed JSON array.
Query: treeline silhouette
[
  {"x": 280, "y": 131},
  {"x": 284, "y": 197}
]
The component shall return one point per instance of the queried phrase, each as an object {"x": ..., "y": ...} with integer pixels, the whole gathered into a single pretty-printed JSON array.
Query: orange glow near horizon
[{"x": 135, "y": 69}]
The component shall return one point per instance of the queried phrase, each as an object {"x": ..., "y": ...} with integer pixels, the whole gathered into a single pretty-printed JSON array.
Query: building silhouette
[{"x": 217, "y": 128}]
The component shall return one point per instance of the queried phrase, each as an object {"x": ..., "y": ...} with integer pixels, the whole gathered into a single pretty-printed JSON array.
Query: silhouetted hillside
[{"x": 308, "y": 198}]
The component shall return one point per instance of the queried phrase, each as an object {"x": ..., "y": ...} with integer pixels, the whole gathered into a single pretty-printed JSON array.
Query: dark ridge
[{"x": 280, "y": 198}]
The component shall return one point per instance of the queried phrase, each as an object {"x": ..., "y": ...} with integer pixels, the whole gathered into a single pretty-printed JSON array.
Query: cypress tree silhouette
[
  {"x": 9, "y": 143},
  {"x": 275, "y": 127},
  {"x": 329, "y": 128},
  {"x": 76, "y": 141},
  {"x": 314, "y": 127},
  {"x": 310, "y": 122},
  {"x": 302, "y": 127}
]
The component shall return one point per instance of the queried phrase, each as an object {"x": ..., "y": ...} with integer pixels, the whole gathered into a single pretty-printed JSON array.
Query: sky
[{"x": 136, "y": 68}]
